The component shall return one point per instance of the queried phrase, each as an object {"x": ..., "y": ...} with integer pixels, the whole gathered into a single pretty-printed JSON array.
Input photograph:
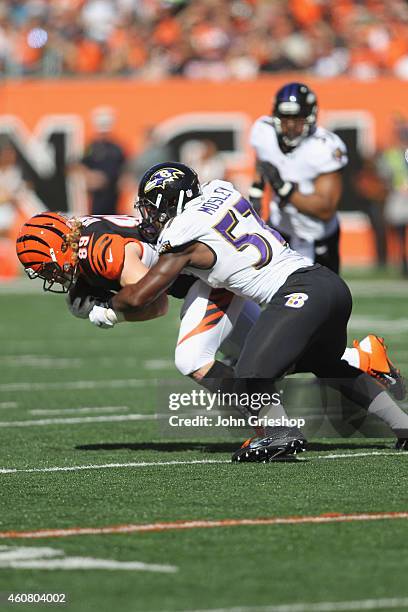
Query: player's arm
[
  {"x": 322, "y": 203},
  {"x": 133, "y": 271},
  {"x": 152, "y": 285}
]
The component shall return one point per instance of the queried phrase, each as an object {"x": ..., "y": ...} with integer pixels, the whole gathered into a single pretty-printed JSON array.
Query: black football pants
[{"x": 307, "y": 333}]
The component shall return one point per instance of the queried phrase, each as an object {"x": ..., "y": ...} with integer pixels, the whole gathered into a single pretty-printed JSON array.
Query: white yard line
[
  {"x": 158, "y": 364},
  {"x": 78, "y": 420},
  {"x": 143, "y": 464},
  {"x": 23, "y": 557},
  {"x": 81, "y": 410},
  {"x": 353, "y": 455},
  {"x": 103, "y": 466},
  {"x": 378, "y": 324},
  {"x": 88, "y": 563},
  {"x": 79, "y": 384},
  {"x": 324, "y": 606},
  {"x": 40, "y": 361},
  {"x": 7, "y": 405}
]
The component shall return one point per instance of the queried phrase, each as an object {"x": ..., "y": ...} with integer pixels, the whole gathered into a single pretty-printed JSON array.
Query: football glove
[
  {"x": 282, "y": 188},
  {"x": 102, "y": 315},
  {"x": 255, "y": 194},
  {"x": 82, "y": 297}
]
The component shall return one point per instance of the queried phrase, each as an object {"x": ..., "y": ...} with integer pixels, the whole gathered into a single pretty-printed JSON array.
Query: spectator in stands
[
  {"x": 103, "y": 164},
  {"x": 394, "y": 167},
  {"x": 212, "y": 39}
]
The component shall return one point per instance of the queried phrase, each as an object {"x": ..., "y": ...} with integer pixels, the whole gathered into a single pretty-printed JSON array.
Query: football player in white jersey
[
  {"x": 303, "y": 163},
  {"x": 216, "y": 235}
]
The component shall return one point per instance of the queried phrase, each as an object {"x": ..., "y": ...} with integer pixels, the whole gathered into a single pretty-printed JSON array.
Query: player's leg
[
  {"x": 233, "y": 343},
  {"x": 370, "y": 355},
  {"x": 327, "y": 251},
  {"x": 285, "y": 328},
  {"x": 324, "y": 358},
  {"x": 282, "y": 334},
  {"x": 315, "y": 341},
  {"x": 207, "y": 318}
]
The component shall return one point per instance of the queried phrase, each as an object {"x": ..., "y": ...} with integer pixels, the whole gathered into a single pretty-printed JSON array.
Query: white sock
[
  {"x": 352, "y": 356},
  {"x": 389, "y": 412},
  {"x": 365, "y": 345},
  {"x": 272, "y": 412}
]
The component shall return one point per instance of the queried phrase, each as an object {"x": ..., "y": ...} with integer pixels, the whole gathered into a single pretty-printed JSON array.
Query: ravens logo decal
[{"x": 160, "y": 178}]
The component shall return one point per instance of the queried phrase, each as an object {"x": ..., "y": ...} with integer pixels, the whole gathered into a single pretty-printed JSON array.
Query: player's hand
[
  {"x": 82, "y": 297},
  {"x": 282, "y": 188},
  {"x": 255, "y": 194},
  {"x": 80, "y": 306},
  {"x": 103, "y": 316}
]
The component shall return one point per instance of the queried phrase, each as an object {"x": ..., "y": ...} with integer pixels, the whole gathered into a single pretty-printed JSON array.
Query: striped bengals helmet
[{"x": 44, "y": 252}]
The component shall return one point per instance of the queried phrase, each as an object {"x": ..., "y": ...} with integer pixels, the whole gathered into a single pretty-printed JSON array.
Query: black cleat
[
  {"x": 281, "y": 443},
  {"x": 402, "y": 444}
]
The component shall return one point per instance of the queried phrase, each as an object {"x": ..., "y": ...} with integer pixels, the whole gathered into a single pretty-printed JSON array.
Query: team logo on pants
[{"x": 296, "y": 300}]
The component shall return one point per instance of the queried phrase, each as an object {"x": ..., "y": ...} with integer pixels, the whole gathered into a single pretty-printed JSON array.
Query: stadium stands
[{"x": 203, "y": 39}]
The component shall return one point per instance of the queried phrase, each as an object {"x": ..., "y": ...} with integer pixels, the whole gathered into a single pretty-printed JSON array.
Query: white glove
[{"x": 103, "y": 316}]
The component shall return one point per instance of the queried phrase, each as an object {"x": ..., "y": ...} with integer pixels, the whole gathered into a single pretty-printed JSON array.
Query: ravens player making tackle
[{"x": 215, "y": 234}]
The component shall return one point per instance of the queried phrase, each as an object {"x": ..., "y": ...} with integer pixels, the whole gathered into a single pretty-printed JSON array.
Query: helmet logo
[
  {"x": 162, "y": 177},
  {"x": 52, "y": 253}
]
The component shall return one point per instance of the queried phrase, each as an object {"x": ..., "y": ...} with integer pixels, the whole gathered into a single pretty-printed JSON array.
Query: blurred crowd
[
  {"x": 210, "y": 39},
  {"x": 381, "y": 186}
]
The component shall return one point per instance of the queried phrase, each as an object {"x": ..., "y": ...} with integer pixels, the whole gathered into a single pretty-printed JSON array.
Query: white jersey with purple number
[
  {"x": 251, "y": 259},
  {"x": 320, "y": 153}
]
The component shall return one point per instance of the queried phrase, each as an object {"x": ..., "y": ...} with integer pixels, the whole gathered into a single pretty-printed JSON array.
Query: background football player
[
  {"x": 216, "y": 235},
  {"x": 302, "y": 162}
]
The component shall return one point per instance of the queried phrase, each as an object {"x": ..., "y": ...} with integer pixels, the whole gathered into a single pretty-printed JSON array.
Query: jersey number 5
[{"x": 228, "y": 223}]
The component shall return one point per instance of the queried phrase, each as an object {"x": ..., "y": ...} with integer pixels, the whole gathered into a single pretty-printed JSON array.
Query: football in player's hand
[{"x": 82, "y": 297}]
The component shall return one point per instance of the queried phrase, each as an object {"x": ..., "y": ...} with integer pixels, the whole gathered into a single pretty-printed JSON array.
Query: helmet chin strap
[{"x": 180, "y": 206}]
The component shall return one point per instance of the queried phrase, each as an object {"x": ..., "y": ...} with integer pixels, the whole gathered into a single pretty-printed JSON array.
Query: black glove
[
  {"x": 82, "y": 297},
  {"x": 282, "y": 188},
  {"x": 255, "y": 194}
]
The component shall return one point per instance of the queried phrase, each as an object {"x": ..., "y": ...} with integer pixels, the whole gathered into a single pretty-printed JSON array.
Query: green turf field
[{"x": 68, "y": 396}]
